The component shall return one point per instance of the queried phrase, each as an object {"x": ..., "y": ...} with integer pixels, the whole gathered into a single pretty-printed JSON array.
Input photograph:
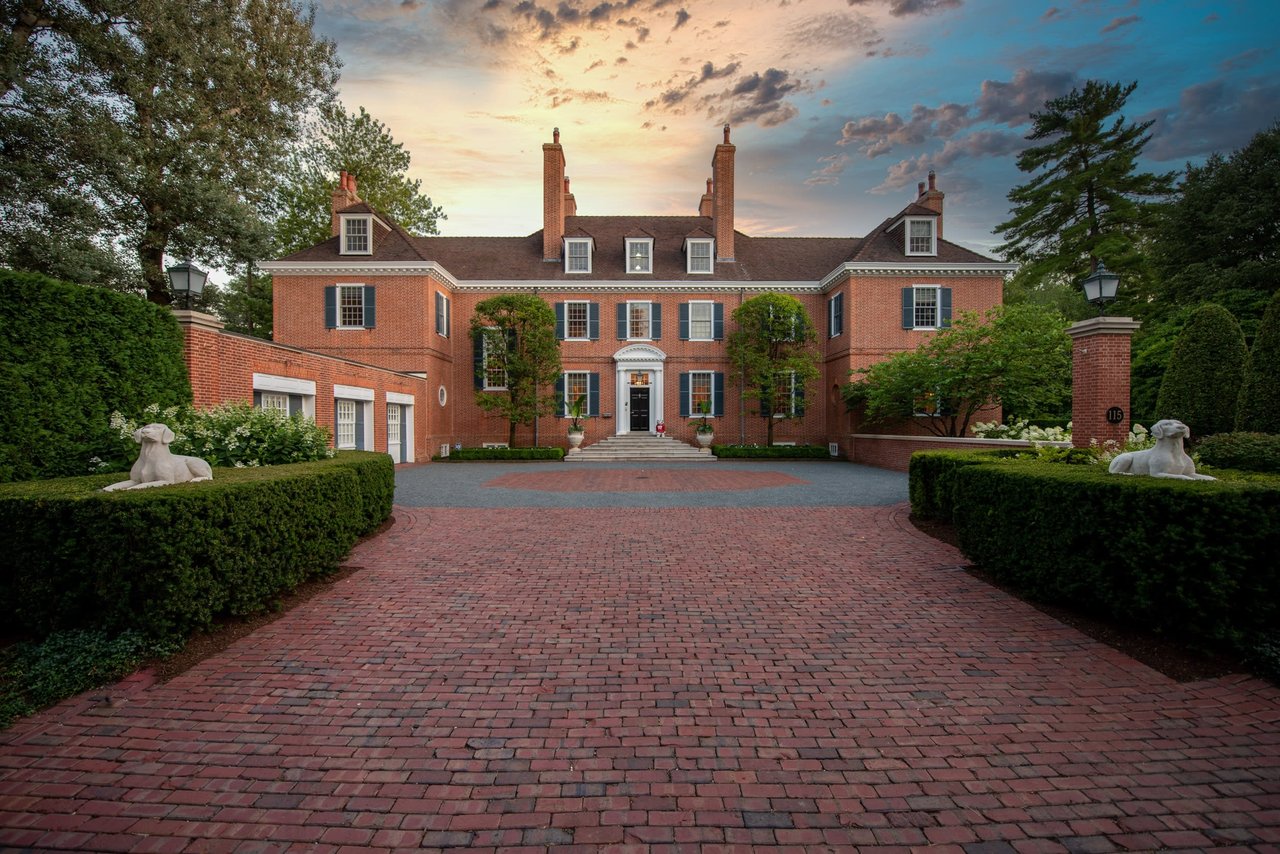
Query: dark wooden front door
[{"x": 640, "y": 409}]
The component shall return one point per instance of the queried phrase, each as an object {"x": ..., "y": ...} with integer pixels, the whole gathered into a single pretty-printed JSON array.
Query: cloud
[
  {"x": 904, "y": 8},
  {"x": 1117, "y": 23},
  {"x": 1216, "y": 115},
  {"x": 828, "y": 175},
  {"x": 984, "y": 143},
  {"x": 1013, "y": 102},
  {"x": 877, "y": 136},
  {"x": 682, "y": 18},
  {"x": 834, "y": 30},
  {"x": 1053, "y": 13},
  {"x": 761, "y": 98},
  {"x": 1243, "y": 60},
  {"x": 677, "y": 95}
]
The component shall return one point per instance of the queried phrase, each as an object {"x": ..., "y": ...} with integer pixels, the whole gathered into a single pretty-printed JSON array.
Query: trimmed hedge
[
  {"x": 1192, "y": 558},
  {"x": 70, "y": 355},
  {"x": 1201, "y": 386},
  {"x": 168, "y": 561},
  {"x": 771, "y": 452},
  {"x": 1259, "y": 404},
  {"x": 1244, "y": 451},
  {"x": 463, "y": 455},
  {"x": 931, "y": 479}
]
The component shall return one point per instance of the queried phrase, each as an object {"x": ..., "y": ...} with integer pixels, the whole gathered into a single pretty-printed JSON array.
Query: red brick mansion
[{"x": 372, "y": 326}]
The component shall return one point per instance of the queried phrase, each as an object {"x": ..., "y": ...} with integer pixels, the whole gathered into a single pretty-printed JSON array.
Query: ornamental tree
[
  {"x": 515, "y": 337},
  {"x": 1018, "y": 357},
  {"x": 1259, "y": 407},
  {"x": 1202, "y": 383},
  {"x": 773, "y": 351}
]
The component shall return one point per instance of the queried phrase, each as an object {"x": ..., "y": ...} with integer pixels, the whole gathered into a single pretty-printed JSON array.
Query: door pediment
[{"x": 636, "y": 353}]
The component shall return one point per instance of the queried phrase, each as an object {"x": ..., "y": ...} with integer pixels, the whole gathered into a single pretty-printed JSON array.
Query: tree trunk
[{"x": 151, "y": 259}]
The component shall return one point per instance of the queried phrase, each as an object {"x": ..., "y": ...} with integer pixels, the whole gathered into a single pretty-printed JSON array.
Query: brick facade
[{"x": 1100, "y": 379}]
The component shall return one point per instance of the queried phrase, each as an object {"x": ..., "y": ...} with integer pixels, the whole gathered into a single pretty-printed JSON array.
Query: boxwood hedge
[
  {"x": 167, "y": 561},
  {"x": 1194, "y": 559},
  {"x": 464, "y": 455},
  {"x": 771, "y": 452}
]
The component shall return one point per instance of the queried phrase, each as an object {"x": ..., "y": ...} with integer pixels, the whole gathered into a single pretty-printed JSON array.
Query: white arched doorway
[{"x": 638, "y": 385}]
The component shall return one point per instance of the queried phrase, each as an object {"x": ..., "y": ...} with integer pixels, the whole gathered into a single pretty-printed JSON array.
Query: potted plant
[
  {"x": 702, "y": 427},
  {"x": 576, "y": 417}
]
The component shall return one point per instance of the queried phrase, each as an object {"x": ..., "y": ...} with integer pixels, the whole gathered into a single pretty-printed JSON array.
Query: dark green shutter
[
  {"x": 717, "y": 321},
  {"x": 622, "y": 321},
  {"x": 477, "y": 358},
  {"x": 370, "y": 310},
  {"x": 684, "y": 321},
  {"x": 359, "y": 425},
  {"x": 655, "y": 320},
  {"x": 799, "y": 395},
  {"x": 257, "y": 399},
  {"x": 908, "y": 308},
  {"x": 331, "y": 308},
  {"x": 561, "y": 403},
  {"x": 685, "y": 408},
  {"x": 593, "y": 395},
  {"x": 717, "y": 394},
  {"x": 944, "y": 306},
  {"x": 295, "y": 404},
  {"x": 561, "y": 332},
  {"x": 593, "y": 321},
  {"x": 766, "y": 410}
]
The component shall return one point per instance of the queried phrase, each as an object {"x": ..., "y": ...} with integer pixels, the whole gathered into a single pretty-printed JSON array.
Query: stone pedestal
[{"x": 1100, "y": 379}]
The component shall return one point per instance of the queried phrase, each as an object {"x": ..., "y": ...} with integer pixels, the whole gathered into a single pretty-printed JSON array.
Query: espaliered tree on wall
[
  {"x": 1202, "y": 384},
  {"x": 773, "y": 355},
  {"x": 517, "y": 359},
  {"x": 1017, "y": 357}
]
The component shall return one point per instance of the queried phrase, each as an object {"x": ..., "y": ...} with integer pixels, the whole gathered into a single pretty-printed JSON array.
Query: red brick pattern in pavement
[
  {"x": 718, "y": 677},
  {"x": 643, "y": 480}
]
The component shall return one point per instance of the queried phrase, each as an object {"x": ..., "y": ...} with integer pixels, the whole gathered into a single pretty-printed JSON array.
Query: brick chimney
[
  {"x": 705, "y": 205},
  {"x": 553, "y": 198},
  {"x": 722, "y": 197},
  {"x": 570, "y": 205},
  {"x": 344, "y": 196},
  {"x": 932, "y": 199}
]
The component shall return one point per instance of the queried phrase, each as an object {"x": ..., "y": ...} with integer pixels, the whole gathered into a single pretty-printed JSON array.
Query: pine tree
[
  {"x": 1202, "y": 383},
  {"x": 1087, "y": 202},
  {"x": 1259, "y": 407}
]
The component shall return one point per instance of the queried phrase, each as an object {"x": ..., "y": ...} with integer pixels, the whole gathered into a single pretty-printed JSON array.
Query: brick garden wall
[{"x": 894, "y": 452}]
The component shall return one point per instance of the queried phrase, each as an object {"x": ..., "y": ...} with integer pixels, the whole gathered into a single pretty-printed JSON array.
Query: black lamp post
[
  {"x": 187, "y": 280},
  {"x": 1100, "y": 288}
]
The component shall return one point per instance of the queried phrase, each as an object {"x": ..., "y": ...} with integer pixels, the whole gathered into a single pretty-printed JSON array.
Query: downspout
[{"x": 742, "y": 387}]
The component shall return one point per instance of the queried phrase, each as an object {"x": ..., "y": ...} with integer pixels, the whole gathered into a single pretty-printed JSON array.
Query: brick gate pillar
[
  {"x": 200, "y": 349},
  {"x": 1100, "y": 379}
]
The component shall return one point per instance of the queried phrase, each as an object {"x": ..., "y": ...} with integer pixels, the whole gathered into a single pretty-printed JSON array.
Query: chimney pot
[
  {"x": 555, "y": 136},
  {"x": 920, "y": 189},
  {"x": 726, "y": 133},
  {"x": 931, "y": 180}
]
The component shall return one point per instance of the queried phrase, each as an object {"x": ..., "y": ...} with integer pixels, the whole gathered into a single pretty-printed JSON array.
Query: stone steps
[{"x": 639, "y": 447}]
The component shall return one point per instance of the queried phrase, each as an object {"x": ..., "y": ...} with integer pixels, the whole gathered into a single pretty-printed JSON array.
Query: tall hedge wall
[
  {"x": 169, "y": 560},
  {"x": 69, "y": 355}
]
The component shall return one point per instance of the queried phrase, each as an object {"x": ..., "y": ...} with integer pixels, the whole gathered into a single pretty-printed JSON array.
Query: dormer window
[
  {"x": 639, "y": 255},
  {"x": 922, "y": 237},
  {"x": 577, "y": 254},
  {"x": 699, "y": 255},
  {"x": 357, "y": 235}
]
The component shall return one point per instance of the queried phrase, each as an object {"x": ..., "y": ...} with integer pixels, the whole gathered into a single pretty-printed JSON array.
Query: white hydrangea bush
[
  {"x": 233, "y": 434},
  {"x": 1021, "y": 430}
]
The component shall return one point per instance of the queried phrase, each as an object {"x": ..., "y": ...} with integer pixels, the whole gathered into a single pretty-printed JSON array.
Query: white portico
[{"x": 639, "y": 384}]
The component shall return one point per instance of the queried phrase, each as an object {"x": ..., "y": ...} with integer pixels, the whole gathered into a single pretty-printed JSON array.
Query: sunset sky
[{"x": 838, "y": 107}]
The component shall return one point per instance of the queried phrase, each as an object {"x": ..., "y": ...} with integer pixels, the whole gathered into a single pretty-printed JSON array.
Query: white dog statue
[
  {"x": 1166, "y": 459},
  {"x": 156, "y": 466}
]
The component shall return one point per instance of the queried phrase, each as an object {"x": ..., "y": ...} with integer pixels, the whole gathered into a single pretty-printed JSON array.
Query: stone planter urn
[
  {"x": 704, "y": 441},
  {"x": 575, "y": 439}
]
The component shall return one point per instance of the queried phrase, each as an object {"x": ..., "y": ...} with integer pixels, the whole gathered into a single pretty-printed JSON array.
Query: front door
[{"x": 640, "y": 409}]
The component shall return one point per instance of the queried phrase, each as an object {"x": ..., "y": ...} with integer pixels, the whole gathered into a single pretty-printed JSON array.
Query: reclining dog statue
[
  {"x": 156, "y": 466},
  {"x": 1166, "y": 459}
]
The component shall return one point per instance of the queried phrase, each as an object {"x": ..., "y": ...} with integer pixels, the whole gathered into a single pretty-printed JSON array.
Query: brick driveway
[{"x": 705, "y": 676}]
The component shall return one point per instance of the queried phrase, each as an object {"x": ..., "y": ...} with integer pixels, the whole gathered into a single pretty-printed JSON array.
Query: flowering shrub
[
  {"x": 1020, "y": 430},
  {"x": 1139, "y": 439},
  {"x": 233, "y": 434}
]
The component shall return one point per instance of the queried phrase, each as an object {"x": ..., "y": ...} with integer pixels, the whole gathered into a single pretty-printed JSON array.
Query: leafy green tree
[
  {"x": 1087, "y": 203},
  {"x": 1259, "y": 406},
  {"x": 149, "y": 128},
  {"x": 1152, "y": 349},
  {"x": 244, "y": 302},
  {"x": 519, "y": 340},
  {"x": 1217, "y": 241},
  {"x": 363, "y": 146},
  {"x": 1202, "y": 383},
  {"x": 1017, "y": 357},
  {"x": 773, "y": 349}
]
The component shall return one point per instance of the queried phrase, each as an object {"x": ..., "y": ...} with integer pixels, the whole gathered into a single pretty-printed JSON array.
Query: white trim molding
[
  {"x": 285, "y": 385},
  {"x": 352, "y": 392},
  {"x": 400, "y": 397},
  {"x": 914, "y": 269},
  {"x": 359, "y": 268}
]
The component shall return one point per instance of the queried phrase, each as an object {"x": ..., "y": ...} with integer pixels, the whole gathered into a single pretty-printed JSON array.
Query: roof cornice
[
  {"x": 633, "y": 286},
  {"x": 916, "y": 269},
  {"x": 363, "y": 268}
]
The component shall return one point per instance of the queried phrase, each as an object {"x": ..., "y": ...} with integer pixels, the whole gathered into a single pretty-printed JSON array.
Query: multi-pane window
[
  {"x": 701, "y": 316},
  {"x": 274, "y": 401},
  {"x": 346, "y": 423},
  {"x": 575, "y": 386},
  {"x": 639, "y": 256},
  {"x": 351, "y": 305},
  {"x": 835, "y": 316},
  {"x": 577, "y": 256},
  {"x": 575, "y": 318},
  {"x": 495, "y": 373},
  {"x": 638, "y": 320},
  {"x": 699, "y": 256},
  {"x": 920, "y": 237},
  {"x": 442, "y": 314},
  {"x": 356, "y": 231},
  {"x": 784, "y": 394},
  {"x": 926, "y": 307},
  {"x": 700, "y": 391}
]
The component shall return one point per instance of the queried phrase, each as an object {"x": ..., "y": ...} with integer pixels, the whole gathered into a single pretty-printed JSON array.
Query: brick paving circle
[
  {"x": 590, "y": 479},
  {"x": 577, "y": 678}
]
